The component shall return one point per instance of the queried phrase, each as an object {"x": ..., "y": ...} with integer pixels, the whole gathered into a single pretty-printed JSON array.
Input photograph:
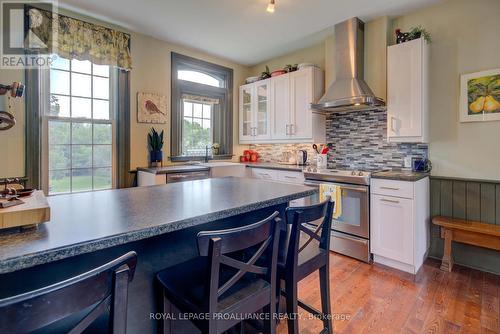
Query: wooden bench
[{"x": 467, "y": 232}]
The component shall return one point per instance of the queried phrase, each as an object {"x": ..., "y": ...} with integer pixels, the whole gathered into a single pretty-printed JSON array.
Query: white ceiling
[{"x": 238, "y": 30}]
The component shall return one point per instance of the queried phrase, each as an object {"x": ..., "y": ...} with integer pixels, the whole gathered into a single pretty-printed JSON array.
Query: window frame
[
  {"x": 46, "y": 117},
  {"x": 222, "y": 118}
]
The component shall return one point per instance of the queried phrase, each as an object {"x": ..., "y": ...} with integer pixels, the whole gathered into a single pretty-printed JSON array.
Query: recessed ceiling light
[{"x": 270, "y": 7}]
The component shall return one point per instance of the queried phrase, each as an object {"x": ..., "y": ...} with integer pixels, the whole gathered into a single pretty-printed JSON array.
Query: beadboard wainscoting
[
  {"x": 360, "y": 142},
  {"x": 466, "y": 199}
]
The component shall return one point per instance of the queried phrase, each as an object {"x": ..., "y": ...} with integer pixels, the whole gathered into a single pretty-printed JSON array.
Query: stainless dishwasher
[{"x": 187, "y": 176}]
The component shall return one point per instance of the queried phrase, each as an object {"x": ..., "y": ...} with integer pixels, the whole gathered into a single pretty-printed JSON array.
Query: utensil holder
[{"x": 322, "y": 161}]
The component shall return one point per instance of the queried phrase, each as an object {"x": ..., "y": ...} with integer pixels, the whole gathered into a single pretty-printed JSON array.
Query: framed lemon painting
[{"x": 480, "y": 96}]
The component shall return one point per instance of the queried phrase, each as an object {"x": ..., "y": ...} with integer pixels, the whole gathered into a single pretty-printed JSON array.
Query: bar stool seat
[
  {"x": 234, "y": 277},
  {"x": 309, "y": 257},
  {"x": 184, "y": 285}
]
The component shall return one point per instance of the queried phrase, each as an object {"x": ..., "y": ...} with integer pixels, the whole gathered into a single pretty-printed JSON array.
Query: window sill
[{"x": 201, "y": 158}]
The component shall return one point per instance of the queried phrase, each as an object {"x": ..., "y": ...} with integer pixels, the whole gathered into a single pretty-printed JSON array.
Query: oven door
[{"x": 355, "y": 209}]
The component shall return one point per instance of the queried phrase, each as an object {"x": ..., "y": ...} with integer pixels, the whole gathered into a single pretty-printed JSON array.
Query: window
[
  {"x": 201, "y": 108},
  {"x": 78, "y": 128}
]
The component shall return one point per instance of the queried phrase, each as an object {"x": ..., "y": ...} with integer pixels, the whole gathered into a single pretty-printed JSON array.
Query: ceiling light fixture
[{"x": 270, "y": 7}]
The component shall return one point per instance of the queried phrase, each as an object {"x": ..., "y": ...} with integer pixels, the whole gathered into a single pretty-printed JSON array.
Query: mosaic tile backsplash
[{"x": 360, "y": 142}]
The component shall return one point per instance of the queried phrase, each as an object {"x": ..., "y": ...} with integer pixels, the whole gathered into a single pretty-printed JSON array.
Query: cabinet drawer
[
  {"x": 265, "y": 174},
  {"x": 394, "y": 188},
  {"x": 291, "y": 177}
]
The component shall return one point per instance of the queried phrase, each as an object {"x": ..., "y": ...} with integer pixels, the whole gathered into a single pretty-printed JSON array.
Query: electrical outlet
[{"x": 407, "y": 161}]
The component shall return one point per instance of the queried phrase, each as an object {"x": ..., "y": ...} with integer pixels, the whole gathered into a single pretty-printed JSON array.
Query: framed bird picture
[
  {"x": 151, "y": 108},
  {"x": 480, "y": 96}
]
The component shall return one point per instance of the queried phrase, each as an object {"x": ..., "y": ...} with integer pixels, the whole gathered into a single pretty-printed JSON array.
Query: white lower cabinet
[
  {"x": 392, "y": 234},
  {"x": 399, "y": 231},
  {"x": 283, "y": 177}
]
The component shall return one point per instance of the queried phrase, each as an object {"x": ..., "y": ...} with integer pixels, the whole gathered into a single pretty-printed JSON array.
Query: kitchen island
[{"x": 160, "y": 223}]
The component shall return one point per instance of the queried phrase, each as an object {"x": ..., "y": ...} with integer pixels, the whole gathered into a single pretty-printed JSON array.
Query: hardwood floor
[{"x": 376, "y": 299}]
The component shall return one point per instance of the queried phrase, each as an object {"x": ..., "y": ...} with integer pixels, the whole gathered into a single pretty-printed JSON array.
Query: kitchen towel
[{"x": 335, "y": 193}]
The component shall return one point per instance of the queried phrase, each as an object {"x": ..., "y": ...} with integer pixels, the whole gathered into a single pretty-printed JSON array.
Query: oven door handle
[{"x": 353, "y": 188}]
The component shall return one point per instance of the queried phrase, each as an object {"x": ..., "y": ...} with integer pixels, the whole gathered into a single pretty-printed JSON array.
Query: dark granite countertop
[
  {"x": 173, "y": 169},
  {"x": 275, "y": 165},
  {"x": 86, "y": 222},
  {"x": 399, "y": 175}
]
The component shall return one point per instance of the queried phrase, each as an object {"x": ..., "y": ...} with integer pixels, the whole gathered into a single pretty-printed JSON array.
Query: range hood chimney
[{"x": 349, "y": 91}]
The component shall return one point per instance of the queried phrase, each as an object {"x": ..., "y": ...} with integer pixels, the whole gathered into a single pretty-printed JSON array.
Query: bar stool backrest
[
  {"x": 105, "y": 287},
  {"x": 258, "y": 241},
  {"x": 314, "y": 222}
]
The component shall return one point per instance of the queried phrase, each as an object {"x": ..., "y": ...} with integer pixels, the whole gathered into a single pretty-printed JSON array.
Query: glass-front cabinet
[{"x": 255, "y": 111}]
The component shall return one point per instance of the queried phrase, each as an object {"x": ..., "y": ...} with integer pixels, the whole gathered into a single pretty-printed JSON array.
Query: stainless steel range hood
[{"x": 349, "y": 91}]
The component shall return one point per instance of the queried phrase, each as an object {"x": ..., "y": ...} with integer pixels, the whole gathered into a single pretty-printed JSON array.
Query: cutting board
[{"x": 35, "y": 210}]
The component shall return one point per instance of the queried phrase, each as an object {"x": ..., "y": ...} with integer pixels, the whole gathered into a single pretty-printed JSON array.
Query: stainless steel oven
[{"x": 351, "y": 230}]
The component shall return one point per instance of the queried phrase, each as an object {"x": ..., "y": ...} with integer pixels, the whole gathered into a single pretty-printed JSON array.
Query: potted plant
[
  {"x": 215, "y": 149},
  {"x": 414, "y": 33},
  {"x": 291, "y": 68},
  {"x": 417, "y": 32},
  {"x": 266, "y": 74},
  {"x": 155, "y": 143}
]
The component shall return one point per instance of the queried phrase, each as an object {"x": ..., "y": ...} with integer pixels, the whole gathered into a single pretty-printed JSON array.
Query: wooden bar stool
[
  {"x": 308, "y": 250},
  {"x": 235, "y": 275},
  {"x": 73, "y": 305}
]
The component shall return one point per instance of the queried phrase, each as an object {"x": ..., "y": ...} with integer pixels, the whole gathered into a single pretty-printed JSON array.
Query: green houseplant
[
  {"x": 155, "y": 143},
  {"x": 419, "y": 31}
]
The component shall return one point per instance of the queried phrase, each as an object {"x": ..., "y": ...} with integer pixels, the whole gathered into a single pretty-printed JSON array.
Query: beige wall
[
  {"x": 464, "y": 39},
  {"x": 150, "y": 73},
  {"x": 12, "y": 141},
  {"x": 314, "y": 54}
]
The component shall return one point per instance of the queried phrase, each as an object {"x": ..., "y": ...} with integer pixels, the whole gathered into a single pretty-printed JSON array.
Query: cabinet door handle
[
  {"x": 292, "y": 129},
  {"x": 286, "y": 129},
  {"x": 389, "y": 188},
  {"x": 393, "y": 129},
  {"x": 290, "y": 177},
  {"x": 389, "y": 201}
]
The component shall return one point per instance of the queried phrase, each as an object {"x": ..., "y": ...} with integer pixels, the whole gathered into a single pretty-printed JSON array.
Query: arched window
[
  {"x": 199, "y": 77},
  {"x": 201, "y": 109}
]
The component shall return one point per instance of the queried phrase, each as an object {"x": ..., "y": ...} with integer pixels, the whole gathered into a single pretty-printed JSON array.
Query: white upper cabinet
[
  {"x": 407, "y": 92},
  {"x": 290, "y": 117},
  {"x": 263, "y": 113},
  {"x": 301, "y": 95},
  {"x": 246, "y": 110},
  {"x": 255, "y": 116},
  {"x": 280, "y": 106}
]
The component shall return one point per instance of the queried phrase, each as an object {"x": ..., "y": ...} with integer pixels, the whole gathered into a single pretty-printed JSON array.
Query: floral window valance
[{"x": 83, "y": 40}]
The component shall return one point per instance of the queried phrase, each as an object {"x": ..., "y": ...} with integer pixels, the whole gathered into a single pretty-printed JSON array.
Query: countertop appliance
[
  {"x": 349, "y": 91},
  {"x": 301, "y": 157},
  {"x": 351, "y": 231}
]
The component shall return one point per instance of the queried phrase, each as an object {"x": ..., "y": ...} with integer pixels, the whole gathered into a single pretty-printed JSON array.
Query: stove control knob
[
  {"x": 315, "y": 170},
  {"x": 309, "y": 169},
  {"x": 353, "y": 173},
  {"x": 360, "y": 174}
]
